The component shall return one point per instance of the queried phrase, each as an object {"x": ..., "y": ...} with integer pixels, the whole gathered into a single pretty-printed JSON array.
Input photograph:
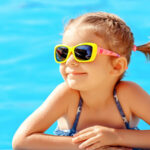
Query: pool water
[{"x": 29, "y": 29}]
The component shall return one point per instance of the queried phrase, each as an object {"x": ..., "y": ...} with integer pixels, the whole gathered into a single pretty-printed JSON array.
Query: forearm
[
  {"x": 40, "y": 141},
  {"x": 133, "y": 138}
]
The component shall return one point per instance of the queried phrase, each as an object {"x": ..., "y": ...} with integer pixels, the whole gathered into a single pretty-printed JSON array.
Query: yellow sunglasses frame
[{"x": 71, "y": 49}]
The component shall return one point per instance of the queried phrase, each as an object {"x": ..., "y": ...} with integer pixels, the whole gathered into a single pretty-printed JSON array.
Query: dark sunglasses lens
[
  {"x": 61, "y": 53},
  {"x": 83, "y": 52}
]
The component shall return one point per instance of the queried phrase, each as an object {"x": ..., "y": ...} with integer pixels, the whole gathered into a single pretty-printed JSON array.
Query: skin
[
  {"x": 94, "y": 82},
  {"x": 95, "y": 74},
  {"x": 91, "y": 83}
]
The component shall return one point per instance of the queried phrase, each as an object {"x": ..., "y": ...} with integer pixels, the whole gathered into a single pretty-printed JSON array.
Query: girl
[{"x": 94, "y": 108}]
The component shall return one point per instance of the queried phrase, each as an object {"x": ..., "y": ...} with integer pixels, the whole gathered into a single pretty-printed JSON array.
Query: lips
[{"x": 76, "y": 73}]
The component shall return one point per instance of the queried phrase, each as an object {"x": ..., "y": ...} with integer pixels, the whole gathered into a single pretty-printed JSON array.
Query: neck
[{"x": 98, "y": 97}]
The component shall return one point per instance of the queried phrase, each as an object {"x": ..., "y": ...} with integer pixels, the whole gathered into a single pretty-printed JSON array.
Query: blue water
[{"x": 29, "y": 29}]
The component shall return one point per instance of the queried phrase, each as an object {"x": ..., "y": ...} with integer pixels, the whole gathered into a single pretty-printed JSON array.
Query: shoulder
[
  {"x": 51, "y": 109},
  {"x": 63, "y": 95},
  {"x": 130, "y": 89},
  {"x": 66, "y": 101},
  {"x": 137, "y": 99},
  {"x": 58, "y": 102},
  {"x": 63, "y": 90}
]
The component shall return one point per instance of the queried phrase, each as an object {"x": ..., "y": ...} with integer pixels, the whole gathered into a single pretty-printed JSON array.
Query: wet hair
[{"x": 112, "y": 29}]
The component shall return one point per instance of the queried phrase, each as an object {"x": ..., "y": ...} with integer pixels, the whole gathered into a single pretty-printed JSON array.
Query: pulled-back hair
[{"x": 112, "y": 29}]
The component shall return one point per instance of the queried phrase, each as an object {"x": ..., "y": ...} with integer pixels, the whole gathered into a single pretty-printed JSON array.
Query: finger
[
  {"x": 94, "y": 146},
  {"x": 92, "y": 141},
  {"x": 82, "y": 137},
  {"x": 82, "y": 131}
]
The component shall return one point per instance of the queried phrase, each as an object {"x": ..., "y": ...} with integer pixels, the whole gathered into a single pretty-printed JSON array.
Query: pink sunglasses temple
[
  {"x": 134, "y": 48},
  {"x": 107, "y": 52}
]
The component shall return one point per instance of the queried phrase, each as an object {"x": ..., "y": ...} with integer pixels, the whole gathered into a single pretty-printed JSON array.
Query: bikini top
[{"x": 72, "y": 131}]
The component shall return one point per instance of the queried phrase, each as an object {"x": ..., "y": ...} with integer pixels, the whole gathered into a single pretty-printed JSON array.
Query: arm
[
  {"x": 139, "y": 103},
  {"x": 41, "y": 141},
  {"x": 98, "y": 136},
  {"x": 114, "y": 148},
  {"x": 30, "y": 134},
  {"x": 134, "y": 138}
]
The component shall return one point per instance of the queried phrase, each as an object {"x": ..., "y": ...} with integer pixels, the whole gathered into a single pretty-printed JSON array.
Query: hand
[{"x": 95, "y": 137}]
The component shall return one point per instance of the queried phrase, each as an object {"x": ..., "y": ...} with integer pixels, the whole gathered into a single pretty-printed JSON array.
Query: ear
[{"x": 119, "y": 65}]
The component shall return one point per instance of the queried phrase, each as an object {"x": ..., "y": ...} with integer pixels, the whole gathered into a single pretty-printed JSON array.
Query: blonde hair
[{"x": 112, "y": 29}]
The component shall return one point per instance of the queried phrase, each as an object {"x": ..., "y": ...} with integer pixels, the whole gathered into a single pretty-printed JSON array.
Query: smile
[{"x": 76, "y": 74}]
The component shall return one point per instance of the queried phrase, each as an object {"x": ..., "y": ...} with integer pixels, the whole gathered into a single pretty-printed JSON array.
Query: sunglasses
[{"x": 84, "y": 52}]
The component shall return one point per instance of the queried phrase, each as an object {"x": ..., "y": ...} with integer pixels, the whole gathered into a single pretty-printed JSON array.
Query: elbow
[
  {"x": 15, "y": 146},
  {"x": 17, "y": 143}
]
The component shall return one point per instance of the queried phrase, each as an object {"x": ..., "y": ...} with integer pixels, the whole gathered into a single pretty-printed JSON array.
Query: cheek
[
  {"x": 99, "y": 69},
  {"x": 62, "y": 71}
]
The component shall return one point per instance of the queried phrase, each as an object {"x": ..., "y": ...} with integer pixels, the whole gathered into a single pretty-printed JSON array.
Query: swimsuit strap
[
  {"x": 118, "y": 106},
  {"x": 120, "y": 109},
  {"x": 77, "y": 115}
]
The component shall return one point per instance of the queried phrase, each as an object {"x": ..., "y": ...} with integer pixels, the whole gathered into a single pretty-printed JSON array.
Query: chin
[
  {"x": 80, "y": 86},
  {"x": 73, "y": 84},
  {"x": 77, "y": 82}
]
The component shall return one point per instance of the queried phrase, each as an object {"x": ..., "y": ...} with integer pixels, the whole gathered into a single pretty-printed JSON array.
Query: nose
[{"x": 71, "y": 61}]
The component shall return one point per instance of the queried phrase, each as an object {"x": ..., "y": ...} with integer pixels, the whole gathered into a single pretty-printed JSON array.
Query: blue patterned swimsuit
[{"x": 72, "y": 131}]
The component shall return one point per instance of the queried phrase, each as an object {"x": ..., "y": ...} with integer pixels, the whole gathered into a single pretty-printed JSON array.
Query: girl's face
[{"x": 85, "y": 76}]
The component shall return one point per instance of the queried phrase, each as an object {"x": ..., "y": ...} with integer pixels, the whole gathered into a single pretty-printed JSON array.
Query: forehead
[{"x": 77, "y": 35}]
